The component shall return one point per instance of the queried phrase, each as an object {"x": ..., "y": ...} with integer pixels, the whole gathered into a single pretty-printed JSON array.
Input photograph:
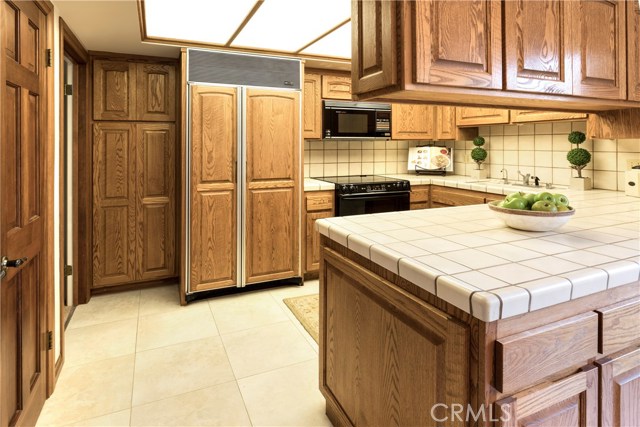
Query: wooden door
[
  {"x": 374, "y": 59},
  {"x": 569, "y": 402},
  {"x": 524, "y": 116},
  {"x": 114, "y": 90},
  {"x": 620, "y": 389},
  {"x": 213, "y": 232},
  {"x": 114, "y": 204},
  {"x": 336, "y": 87},
  {"x": 457, "y": 43},
  {"x": 156, "y": 97},
  {"x": 471, "y": 116},
  {"x": 538, "y": 46},
  {"x": 318, "y": 204},
  {"x": 272, "y": 205},
  {"x": 633, "y": 49},
  {"x": 155, "y": 207},
  {"x": 446, "y": 128},
  {"x": 412, "y": 121},
  {"x": 22, "y": 212},
  {"x": 599, "y": 48},
  {"x": 312, "y": 106}
]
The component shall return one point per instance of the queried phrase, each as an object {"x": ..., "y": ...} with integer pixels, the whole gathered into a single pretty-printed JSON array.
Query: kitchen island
[{"x": 447, "y": 317}]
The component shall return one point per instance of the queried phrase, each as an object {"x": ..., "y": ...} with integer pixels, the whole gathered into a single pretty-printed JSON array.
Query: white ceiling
[{"x": 114, "y": 26}]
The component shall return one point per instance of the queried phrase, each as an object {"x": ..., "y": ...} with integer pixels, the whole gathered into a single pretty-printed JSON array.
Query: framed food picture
[{"x": 430, "y": 159}]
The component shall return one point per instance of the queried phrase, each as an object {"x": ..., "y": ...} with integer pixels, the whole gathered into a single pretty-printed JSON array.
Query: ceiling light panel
[
  {"x": 336, "y": 44},
  {"x": 203, "y": 21},
  {"x": 289, "y": 25}
]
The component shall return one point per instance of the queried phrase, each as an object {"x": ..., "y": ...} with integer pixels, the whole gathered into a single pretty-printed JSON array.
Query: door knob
[{"x": 10, "y": 263}]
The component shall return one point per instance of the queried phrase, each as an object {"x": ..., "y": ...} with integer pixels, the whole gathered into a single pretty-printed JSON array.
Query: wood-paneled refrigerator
[{"x": 242, "y": 169}]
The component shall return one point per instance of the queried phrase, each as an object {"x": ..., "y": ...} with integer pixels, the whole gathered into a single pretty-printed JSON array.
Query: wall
[{"x": 539, "y": 149}]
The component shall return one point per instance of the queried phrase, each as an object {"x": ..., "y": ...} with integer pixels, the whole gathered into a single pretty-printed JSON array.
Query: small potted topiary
[
  {"x": 579, "y": 158},
  {"x": 478, "y": 155}
]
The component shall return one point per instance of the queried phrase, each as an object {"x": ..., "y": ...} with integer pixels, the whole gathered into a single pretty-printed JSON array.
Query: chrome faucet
[
  {"x": 525, "y": 178},
  {"x": 505, "y": 175}
]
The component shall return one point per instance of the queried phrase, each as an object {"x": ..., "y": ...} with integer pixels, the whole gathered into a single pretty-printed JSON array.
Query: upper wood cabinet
[
  {"x": 599, "y": 48},
  {"x": 336, "y": 86},
  {"x": 523, "y": 116},
  {"x": 471, "y": 116},
  {"x": 312, "y": 106},
  {"x": 633, "y": 50},
  {"x": 156, "y": 99},
  {"x": 538, "y": 46},
  {"x": 412, "y": 121},
  {"x": 114, "y": 90},
  {"x": 124, "y": 90},
  {"x": 446, "y": 128}
]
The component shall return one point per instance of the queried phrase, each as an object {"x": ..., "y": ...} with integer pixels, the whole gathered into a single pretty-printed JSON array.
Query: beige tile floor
[{"x": 138, "y": 358}]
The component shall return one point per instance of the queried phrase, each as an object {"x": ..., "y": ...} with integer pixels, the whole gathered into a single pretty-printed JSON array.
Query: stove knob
[{"x": 352, "y": 188}]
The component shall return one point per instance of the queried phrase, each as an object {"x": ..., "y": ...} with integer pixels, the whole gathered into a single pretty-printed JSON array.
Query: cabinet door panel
[
  {"x": 114, "y": 90},
  {"x": 537, "y": 46},
  {"x": 213, "y": 231},
  {"x": 156, "y": 200},
  {"x": 312, "y": 258},
  {"x": 156, "y": 100},
  {"x": 523, "y": 116},
  {"x": 273, "y": 184},
  {"x": 599, "y": 49},
  {"x": 570, "y": 402},
  {"x": 412, "y": 121},
  {"x": 471, "y": 116},
  {"x": 620, "y": 389},
  {"x": 458, "y": 43},
  {"x": 633, "y": 50},
  {"x": 446, "y": 123},
  {"x": 336, "y": 87},
  {"x": 374, "y": 57},
  {"x": 114, "y": 204},
  {"x": 312, "y": 106}
]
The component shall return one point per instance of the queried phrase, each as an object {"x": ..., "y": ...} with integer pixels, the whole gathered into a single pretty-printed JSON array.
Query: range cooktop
[
  {"x": 358, "y": 179},
  {"x": 366, "y": 184}
]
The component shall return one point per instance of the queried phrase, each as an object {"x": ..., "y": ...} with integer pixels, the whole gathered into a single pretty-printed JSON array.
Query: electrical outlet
[{"x": 632, "y": 162}]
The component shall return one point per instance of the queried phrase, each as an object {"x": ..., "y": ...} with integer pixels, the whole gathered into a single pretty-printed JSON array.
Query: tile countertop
[{"x": 468, "y": 257}]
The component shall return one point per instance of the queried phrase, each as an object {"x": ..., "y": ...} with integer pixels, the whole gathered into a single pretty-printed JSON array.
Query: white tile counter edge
[{"x": 602, "y": 240}]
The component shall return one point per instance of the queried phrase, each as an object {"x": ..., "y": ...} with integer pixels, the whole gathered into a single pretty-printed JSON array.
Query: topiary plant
[
  {"x": 578, "y": 157},
  {"x": 478, "y": 154}
]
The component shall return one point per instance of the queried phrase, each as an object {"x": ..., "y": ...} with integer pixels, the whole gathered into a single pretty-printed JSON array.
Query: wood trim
[
  {"x": 115, "y": 56},
  {"x": 243, "y": 24},
  {"x": 326, "y": 33},
  {"x": 181, "y": 259}
]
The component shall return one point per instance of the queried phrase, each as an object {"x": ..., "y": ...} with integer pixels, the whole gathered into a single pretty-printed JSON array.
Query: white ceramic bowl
[{"x": 531, "y": 220}]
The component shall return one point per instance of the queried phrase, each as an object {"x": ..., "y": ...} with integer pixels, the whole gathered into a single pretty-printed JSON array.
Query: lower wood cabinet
[
  {"x": 419, "y": 198},
  {"x": 442, "y": 197},
  {"x": 620, "y": 389},
  {"x": 318, "y": 204},
  {"x": 133, "y": 202}
]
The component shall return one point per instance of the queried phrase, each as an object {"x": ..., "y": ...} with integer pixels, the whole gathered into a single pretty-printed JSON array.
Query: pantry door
[{"x": 22, "y": 147}]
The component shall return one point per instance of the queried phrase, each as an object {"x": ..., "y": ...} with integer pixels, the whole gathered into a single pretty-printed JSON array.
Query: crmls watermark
[{"x": 441, "y": 412}]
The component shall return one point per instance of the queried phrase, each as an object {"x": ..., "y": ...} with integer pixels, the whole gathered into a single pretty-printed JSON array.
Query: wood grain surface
[
  {"x": 633, "y": 50},
  {"x": 312, "y": 106},
  {"x": 620, "y": 389},
  {"x": 156, "y": 87},
  {"x": 412, "y": 121},
  {"x": 114, "y": 90},
  {"x": 619, "y": 325}
]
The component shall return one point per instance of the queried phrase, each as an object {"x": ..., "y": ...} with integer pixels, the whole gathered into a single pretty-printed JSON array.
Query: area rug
[{"x": 306, "y": 310}]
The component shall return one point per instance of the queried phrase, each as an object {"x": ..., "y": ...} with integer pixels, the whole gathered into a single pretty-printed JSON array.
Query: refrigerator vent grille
[{"x": 206, "y": 66}]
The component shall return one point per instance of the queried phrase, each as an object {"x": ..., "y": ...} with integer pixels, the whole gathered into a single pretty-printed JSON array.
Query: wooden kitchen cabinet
[
  {"x": 124, "y": 90},
  {"x": 441, "y": 197},
  {"x": 336, "y": 86},
  {"x": 620, "y": 389},
  {"x": 133, "y": 202},
  {"x": 569, "y": 402},
  {"x": 446, "y": 127},
  {"x": 525, "y": 116},
  {"x": 318, "y": 204},
  {"x": 412, "y": 121},
  {"x": 312, "y": 106},
  {"x": 419, "y": 198},
  {"x": 114, "y": 90},
  {"x": 472, "y": 116},
  {"x": 633, "y": 50}
]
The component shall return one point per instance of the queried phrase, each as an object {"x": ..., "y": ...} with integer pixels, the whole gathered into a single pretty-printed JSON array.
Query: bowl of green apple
[{"x": 533, "y": 211}]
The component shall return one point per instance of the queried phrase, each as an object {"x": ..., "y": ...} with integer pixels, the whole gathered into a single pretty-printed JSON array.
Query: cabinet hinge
[
  {"x": 68, "y": 270},
  {"x": 49, "y": 340},
  {"x": 49, "y": 57},
  {"x": 68, "y": 89}
]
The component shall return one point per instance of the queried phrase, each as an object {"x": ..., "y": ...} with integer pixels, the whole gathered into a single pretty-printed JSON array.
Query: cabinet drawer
[
  {"x": 419, "y": 195},
  {"x": 618, "y": 325},
  {"x": 319, "y": 202},
  {"x": 455, "y": 197},
  {"x": 528, "y": 357}
]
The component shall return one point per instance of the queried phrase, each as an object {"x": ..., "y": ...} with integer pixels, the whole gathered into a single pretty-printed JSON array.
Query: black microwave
[{"x": 353, "y": 120}]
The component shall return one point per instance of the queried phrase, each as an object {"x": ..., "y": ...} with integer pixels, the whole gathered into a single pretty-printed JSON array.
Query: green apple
[
  {"x": 519, "y": 194},
  {"x": 530, "y": 198},
  {"x": 515, "y": 203},
  {"x": 544, "y": 206},
  {"x": 562, "y": 208},
  {"x": 544, "y": 196},
  {"x": 560, "y": 199}
]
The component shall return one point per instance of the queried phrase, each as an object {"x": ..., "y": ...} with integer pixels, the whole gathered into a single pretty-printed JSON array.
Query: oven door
[{"x": 357, "y": 204}]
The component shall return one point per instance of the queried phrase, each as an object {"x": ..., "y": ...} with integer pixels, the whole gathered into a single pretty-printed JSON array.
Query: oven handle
[{"x": 385, "y": 195}]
